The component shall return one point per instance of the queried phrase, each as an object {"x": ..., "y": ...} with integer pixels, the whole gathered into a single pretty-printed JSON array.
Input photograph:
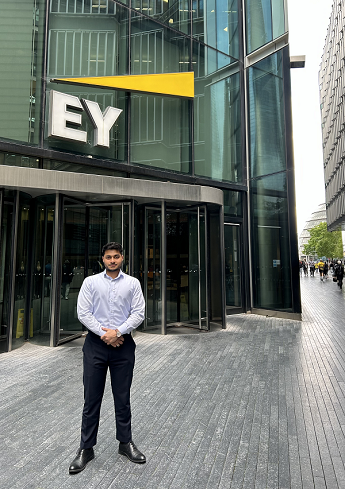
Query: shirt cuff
[{"x": 122, "y": 329}]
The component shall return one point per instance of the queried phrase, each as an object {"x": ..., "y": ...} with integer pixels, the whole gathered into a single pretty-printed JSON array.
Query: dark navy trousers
[{"x": 98, "y": 357}]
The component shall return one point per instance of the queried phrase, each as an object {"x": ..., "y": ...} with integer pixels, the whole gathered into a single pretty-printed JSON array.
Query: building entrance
[
  {"x": 51, "y": 243},
  {"x": 186, "y": 298}
]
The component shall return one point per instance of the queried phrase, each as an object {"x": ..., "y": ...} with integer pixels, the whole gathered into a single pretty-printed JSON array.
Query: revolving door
[{"x": 176, "y": 247}]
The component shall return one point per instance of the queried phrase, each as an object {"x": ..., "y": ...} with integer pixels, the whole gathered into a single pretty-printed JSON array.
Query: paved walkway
[{"x": 258, "y": 405}]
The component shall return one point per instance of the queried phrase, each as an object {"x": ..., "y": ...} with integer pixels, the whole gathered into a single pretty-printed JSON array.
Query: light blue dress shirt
[{"x": 111, "y": 303}]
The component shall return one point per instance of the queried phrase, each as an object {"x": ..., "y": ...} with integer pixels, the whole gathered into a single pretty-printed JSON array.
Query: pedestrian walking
[
  {"x": 111, "y": 305},
  {"x": 339, "y": 273},
  {"x": 312, "y": 268},
  {"x": 321, "y": 267},
  {"x": 325, "y": 270}
]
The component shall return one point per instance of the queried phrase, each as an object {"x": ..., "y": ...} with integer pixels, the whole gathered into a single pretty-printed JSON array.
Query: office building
[
  {"x": 199, "y": 187},
  {"x": 333, "y": 118}
]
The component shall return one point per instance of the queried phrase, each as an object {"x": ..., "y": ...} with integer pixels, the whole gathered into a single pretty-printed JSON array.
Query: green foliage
[{"x": 324, "y": 243}]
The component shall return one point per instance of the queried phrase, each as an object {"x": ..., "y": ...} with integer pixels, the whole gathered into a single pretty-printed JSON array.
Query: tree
[{"x": 324, "y": 243}]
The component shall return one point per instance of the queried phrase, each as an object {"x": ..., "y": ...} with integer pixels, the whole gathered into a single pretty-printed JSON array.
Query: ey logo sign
[{"x": 172, "y": 84}]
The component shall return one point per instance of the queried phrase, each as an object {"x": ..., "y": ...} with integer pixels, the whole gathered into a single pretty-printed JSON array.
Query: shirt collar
[{"x": 109, "y": 278}]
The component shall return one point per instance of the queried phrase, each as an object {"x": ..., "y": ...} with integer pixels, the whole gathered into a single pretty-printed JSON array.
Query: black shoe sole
[
  {"x": 76, "y": 471},
  {"x": 134, "y": 461}
]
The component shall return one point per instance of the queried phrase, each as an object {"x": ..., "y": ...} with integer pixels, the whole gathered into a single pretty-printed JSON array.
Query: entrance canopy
[{"x": 96, "y": 188}]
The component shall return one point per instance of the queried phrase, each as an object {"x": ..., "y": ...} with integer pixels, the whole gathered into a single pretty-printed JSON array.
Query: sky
[{"x": 308, "y": 22}]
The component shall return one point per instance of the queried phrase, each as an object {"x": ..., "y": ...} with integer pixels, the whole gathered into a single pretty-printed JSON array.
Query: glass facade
[
  {"x": 265, "y": 21},
  {"x": 270, "y": 229},
  {"x": 21, "y": 59},
  {"x": 194, "y": 188},
  {"x": 266, "y": 111}
]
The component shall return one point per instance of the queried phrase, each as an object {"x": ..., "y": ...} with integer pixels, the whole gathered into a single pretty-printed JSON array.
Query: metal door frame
[{"x": 241, "y": 308}]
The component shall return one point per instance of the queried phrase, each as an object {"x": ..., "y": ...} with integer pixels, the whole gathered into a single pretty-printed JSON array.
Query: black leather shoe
[
  {"x": 84, "y": 455},
  {"x": 131, "y": 452}
]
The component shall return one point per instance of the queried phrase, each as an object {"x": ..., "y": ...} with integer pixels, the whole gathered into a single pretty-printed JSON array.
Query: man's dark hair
[{"x": 112, "y": 246}]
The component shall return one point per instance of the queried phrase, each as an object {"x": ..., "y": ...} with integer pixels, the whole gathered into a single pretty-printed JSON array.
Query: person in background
[
  {"x": 312, "y": 267},
  {"x": 321, "y": 267},
  {"x": 325, "y": 269},
  {"x": 339, "y": 273}
]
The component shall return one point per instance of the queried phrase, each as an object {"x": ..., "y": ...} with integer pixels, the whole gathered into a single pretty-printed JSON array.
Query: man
[
  {"x": 321, "y": 267},
  {"x": 339, "y": 273},
  {"x": 312, "y": 268},
  {"x": 110, "y": 305}
]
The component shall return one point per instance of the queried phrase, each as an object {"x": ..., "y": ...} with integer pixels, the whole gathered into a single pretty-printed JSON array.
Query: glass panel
[
  {"x": 155, "y": 49},
  {"x": 266, "y": 116},
  {"x": 72, "y": 167},
  {"x": 258, "y": 23},
  {"x": 174, "y": 13},
  {"x": 23, "y": 239},
  {"x": 216, "y": 24},
  {"x": 97, "y": 47},
  {"x": 153, "y": 267},
  {"x": 11, "y": 159},
  {"x": 108, "y": 224},
  {"x": 21, "y": 56},
  {"x": 278, "y": 18},
  {"x": 232, "y": 203},
  {"x": 98, "y": 237},
  {"x": 191, "y": 267},
  {"x": 173, "y": 266},
  {"x": 5, "y": 272},
  {"x": 160, "y": 126},
  {"x": 270, "y": 235},
  {"x": 41, "y": 278},
  {"x": 232, "y": 266},
  {"x": 217, "y": 126},
  {"x": 160, "y": 132},
  {"x": 73, "y": 267}
]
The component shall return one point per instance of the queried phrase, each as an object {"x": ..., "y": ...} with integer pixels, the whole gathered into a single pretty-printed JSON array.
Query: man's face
[{"x": 112, "y": 260}]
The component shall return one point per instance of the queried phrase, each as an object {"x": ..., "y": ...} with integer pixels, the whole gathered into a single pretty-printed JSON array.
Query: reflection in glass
[
  {"x": 160, "y": 135},
  {"x": 97, "y": 47},
  {"x": 18, "y": 335},
  {"x": 12, "y": 159},
  {"x": 21, "y": 56},
  {"x": 258, "y": 23},
  {"x": 215, "y": 23},
  {"x": 42, "y": 269},
  {"x": 107, "y": 224},
  {"x": 174, "y": 13},
  {"x": 265, "y": 21},
  {"x": 266, "y": 116},
  {"x": 153, "y": 269},
  {"x": 232, "y": 203},
  {"x": 217, "y": 124},
  {"x": 278, "y": 18},
  {"x": 5, "y": 272},
  {"x": 155, "y": 49},
  {"x": 186, "y": 268},
  {"x": 270, "y": 231},
  {"x": 73, "y": 267},
  {"x": 232, "y": 266},
  {"x": 85, "y": 7}
]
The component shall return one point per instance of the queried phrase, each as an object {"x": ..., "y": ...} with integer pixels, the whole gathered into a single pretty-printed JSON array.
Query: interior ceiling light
[
  {"x": 226, "y": 29},
  {"x": 171, "y": 21}
]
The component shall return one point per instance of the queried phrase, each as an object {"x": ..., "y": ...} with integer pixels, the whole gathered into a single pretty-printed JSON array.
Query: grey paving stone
[{"x": 258, "y": 405}]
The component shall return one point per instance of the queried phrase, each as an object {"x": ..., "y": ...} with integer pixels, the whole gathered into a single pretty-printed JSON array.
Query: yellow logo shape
[{"x": 173, "y": 84}]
